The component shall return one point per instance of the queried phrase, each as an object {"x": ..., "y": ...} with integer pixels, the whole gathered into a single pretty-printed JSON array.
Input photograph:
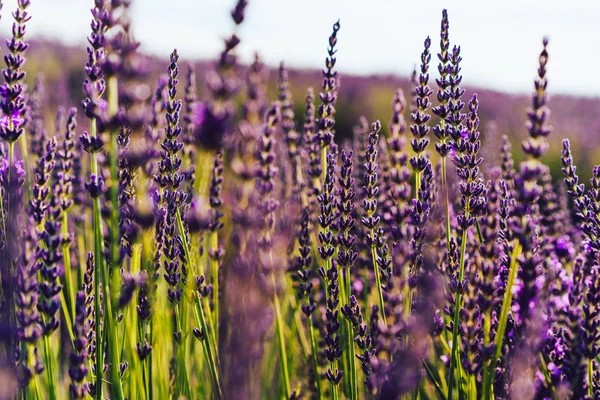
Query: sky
[{"x": 500, "y": 41}]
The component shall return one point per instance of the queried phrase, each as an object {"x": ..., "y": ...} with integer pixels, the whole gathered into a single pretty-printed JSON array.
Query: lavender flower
[
  {"x": 94, "y": 85},
  {"x": 536, "y": 145},
  {"x": 36, "y": 105},
  {"x": 79, "y": 358},
  {"x": 375, "y": 236},
  {"x": 329, "y": 95},
  {"x": 50, "y": 257},
  {"x": 399, "y": 176},
  {"x": 329, "y": 274},
  {"x": 12, "y": 92},
  {"x": 311, "y": 140},
  {"x": 467, "y": 164},
  {"x": 345, "y": 205},
  {"x": 216, "y": 116},
  {"x": 289, "y": 127},
  {"x": 169, "y": 179},
  {"x": 443, "y": 95},
  {"x": 265, "y": 180},
  {"x": 419, "y": 115}
]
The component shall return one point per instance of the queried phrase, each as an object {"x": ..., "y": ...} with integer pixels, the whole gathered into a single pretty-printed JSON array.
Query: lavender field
[{"x": 177, "y": 229}]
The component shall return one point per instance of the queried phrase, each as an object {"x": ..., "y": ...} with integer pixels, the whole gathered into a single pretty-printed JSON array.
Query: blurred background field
[{"x": 574, "y": 117}]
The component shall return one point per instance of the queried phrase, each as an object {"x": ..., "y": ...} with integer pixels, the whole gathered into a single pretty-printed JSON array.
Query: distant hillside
[{"x": 576, "y": 118}]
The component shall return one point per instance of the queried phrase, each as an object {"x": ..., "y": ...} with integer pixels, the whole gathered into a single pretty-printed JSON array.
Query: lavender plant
[{"x": 185, "y": 247}]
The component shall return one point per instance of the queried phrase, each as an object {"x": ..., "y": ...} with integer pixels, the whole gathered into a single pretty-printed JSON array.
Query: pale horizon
[{"x": 383, "y": 37}]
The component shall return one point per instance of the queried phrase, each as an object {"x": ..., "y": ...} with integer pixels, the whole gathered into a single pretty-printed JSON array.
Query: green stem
[
  {"x": 11, "y": 160},
  {"x": 25, "y": 155},
  {"x": 208, "y": 352},
  {"x": 113, "y": 108},
  {"x": 417, "y": 183},
  {"x": 447, "y": 209},
  {"x": 335, "y": 390},
  {"x": 506, "y": 304},
  {"x": 285, "y": 374},
  {"x": 378, "y": 279},
  {"x": 323, "y": 165},
  {"x": 313, "y": 345},
  {"x": 204, "y": 160},
  {"x": 486, "y": 337},
  {"x": 209, "y": 340},
  {"x": 150, "y": 362},
  {"x": 98, "y": 257},
  {"x": 457, "y": 307},
  {"x": 214, "y": 244},
  {"x": 116, "y": 387},
  {"x": 67, "y": 315},
  {"x": 590, "y": 379},
  {"x": 182, "y": 374},
  {"x": 432, "y": 378},
  {"x": 352, "y": 359},
  {"x": 67, "y": 265},
  {"x": 49, "y": 369}
]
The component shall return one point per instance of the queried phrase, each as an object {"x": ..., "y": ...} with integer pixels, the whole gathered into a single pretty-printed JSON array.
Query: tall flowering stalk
[
  {"x": 66, "y": 177},
  {"x": 216, "y": 251},
  {"x": 289, "y": 127},
  {"x": 49, "y": 259},
  {"x": 328, "y": 96},
  {"x": 13, "y": 90},
  {"x": 79, "y": 358},
  {"x": 472, "y": 200},
  {"x": 312, "y": 147},
  {"x": 371, "y": 219},
  {"x": 265, "y": 183},
  {"x": 346, "y": 255},
  {"x": 172, "y": 198},
  {"x": 399, "y": 178},
  {"x": 306, "y": 290},
  {"x": 419, "y": 217},
  {"x": 442, "y": 110},
  {"x": 330, "y": 275},
  {"x": 95, "y": 107},
  {"x": 419, "y": 116}
]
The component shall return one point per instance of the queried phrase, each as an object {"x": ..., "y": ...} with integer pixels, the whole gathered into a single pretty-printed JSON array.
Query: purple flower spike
[{"x": 12, "y": 103}]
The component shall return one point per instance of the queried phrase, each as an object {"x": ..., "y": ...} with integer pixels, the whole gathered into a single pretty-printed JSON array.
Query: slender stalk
[
  {"x": 506, "y": 304},
  {"x": 204, "y": 161},
  {"x": 378, "y": 280},
  {"x": 67, "y": 266},
  {"x": 67, "y": 315},
  {"x": 432, "y": 379},
  {"x": 98, "y": 254},
  {"x": 209, "y": 354},
  {"x": 447, "y": 208},
  {"x": 349, "y": 339},
  {"x": 590, "y": 378},
  {"x": 454, "y": 359},
  {"x": 116, "y": 387},
  {"x": 313, "y": 346},
  {"x": 11, "y": 161},
  {"x": 417, "y": 183},
  {"x": 214, "y": 245},
  {"x": 113, "y": 107},
  {"x": 285, "y": 373},
  {"x": 151, "y": 362},
  {"x": 181, "y": 310},
  {"x": 323, "y": 165},
  {"x": 49, "y": 369},
  {"x": 486, "y": 343},
  {"x": 25, "y": 155},
  {"x": 209, "y": 340}
]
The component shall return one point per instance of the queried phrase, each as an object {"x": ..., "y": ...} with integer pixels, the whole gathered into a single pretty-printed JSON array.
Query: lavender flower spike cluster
[{"x": 213, "y": 243}]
